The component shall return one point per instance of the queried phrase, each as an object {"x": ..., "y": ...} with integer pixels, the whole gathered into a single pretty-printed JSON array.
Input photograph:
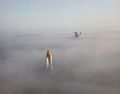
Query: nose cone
[{"x": 48, "y": 50}]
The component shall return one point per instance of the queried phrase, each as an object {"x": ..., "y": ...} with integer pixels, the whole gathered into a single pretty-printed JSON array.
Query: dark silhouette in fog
[{"x": 76, "y": 34}]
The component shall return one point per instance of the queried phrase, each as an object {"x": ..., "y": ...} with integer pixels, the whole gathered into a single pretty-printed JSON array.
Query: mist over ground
[{"x": 89, "y": 64}]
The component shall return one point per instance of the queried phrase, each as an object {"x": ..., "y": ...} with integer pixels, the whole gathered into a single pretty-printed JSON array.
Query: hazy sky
[{"x": 59, "y": 14}]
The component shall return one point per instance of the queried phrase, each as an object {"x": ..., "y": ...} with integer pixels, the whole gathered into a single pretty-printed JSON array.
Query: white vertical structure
[{"x": 49, "y": 59}]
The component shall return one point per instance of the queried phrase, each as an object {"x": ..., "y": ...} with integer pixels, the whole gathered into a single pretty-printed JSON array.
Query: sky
[{"x": 59, "y": 14}]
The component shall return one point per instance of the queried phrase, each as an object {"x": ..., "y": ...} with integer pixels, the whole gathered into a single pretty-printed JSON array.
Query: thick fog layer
[{"x": 89, "y": 64}]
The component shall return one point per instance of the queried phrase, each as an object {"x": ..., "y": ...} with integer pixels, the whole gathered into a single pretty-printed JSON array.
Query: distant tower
[{"x": 76, "y": 34}]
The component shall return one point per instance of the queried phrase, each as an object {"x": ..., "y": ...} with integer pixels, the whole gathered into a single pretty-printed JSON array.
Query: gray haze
[{"x": 86, "y": 65}]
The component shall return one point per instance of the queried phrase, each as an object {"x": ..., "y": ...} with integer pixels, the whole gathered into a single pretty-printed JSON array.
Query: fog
[{"x": 89, "y": 64}]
